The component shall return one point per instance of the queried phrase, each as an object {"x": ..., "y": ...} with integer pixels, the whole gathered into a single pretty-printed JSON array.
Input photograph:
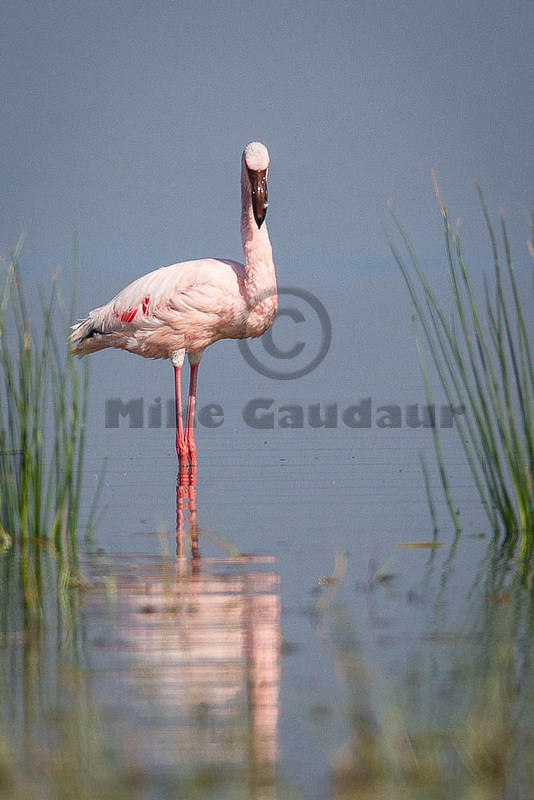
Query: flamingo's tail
[{"x": 85, "y": 338}]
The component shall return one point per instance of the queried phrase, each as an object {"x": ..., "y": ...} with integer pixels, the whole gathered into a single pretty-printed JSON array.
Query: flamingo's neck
[{"x": 260, "y": 278}]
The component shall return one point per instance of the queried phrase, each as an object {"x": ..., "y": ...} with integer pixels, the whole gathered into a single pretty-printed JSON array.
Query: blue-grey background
[
  {"x": 127, "y": 120},
  {"x": 124, "y": 122}
]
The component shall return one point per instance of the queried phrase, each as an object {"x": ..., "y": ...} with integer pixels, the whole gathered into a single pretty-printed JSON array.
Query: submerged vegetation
[
  {"x": 457, "y": 721},
  {"x": 43, "y": 407},
  {"x": 483, "y": 357}
]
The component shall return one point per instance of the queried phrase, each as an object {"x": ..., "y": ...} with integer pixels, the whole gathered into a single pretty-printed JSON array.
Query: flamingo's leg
[
  {"x": 190, "y": 445},
  {"x": 181, "y": 449}
]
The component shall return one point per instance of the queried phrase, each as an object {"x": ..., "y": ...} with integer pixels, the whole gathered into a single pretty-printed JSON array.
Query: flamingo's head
[{"x": 256, "y": 163}]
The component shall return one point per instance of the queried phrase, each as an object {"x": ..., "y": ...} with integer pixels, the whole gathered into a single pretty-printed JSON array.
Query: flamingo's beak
[{"x": 258, "y": 183}]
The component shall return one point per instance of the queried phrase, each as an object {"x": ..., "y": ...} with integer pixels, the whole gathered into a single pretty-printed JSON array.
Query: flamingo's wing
[{"x": 168, "y": 295}]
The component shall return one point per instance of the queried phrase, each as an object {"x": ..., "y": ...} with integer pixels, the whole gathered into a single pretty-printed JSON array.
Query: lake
[{"x": 291, "y": 626}]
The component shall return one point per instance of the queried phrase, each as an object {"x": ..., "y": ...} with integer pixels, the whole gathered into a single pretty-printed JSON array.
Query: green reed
[
  {"x": 483, "y": 358},
  {"x": 43, "y": 408}
]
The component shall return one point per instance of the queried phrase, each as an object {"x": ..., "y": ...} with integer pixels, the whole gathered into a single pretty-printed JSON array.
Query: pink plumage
[{"x": 185, "y": 307}]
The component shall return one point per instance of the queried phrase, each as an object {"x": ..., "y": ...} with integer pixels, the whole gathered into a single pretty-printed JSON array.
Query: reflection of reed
[
  {"x": 202, "y": 638},
  {"x": 453, "y": 722}
]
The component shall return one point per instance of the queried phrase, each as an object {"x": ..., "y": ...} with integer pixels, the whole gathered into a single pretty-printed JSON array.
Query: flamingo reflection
[
  {"x": 202, "y": 637},
  {"x": 186, "y": 509}
]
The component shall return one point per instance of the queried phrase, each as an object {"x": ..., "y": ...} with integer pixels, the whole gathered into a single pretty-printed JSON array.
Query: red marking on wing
[
  {"x": 129, "y": 315},
  {"x": 146, "y": 301}
]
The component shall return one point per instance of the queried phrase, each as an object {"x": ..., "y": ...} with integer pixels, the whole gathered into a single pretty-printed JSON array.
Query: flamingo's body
[
  {"x": 186, "y": 307},
  {"x": 178, "y": 309}
]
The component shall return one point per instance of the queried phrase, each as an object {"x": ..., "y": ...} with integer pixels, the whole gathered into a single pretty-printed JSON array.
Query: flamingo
[{"x": 187, "y": 306}]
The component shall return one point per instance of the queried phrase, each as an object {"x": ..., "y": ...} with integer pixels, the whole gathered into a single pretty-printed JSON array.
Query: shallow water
[
  {"x": 199, "y": 656},
  {"x": 306, "y": 634},
  {"x": 287, "y": 630}
]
